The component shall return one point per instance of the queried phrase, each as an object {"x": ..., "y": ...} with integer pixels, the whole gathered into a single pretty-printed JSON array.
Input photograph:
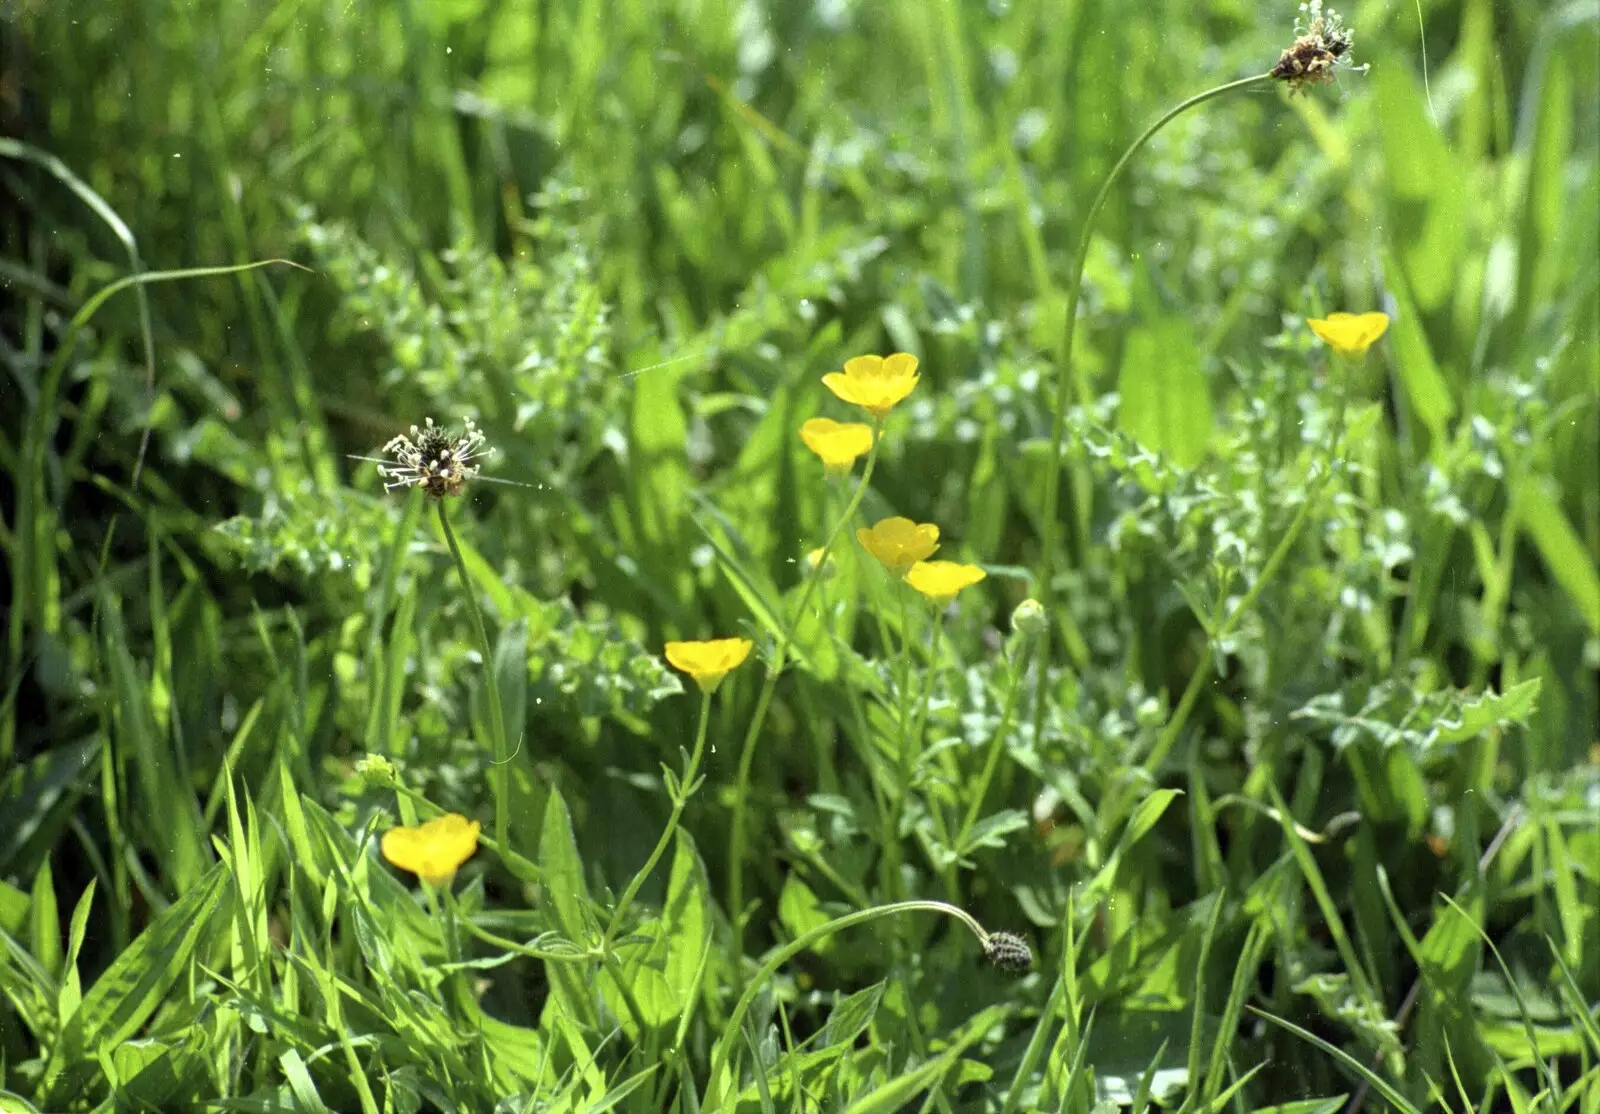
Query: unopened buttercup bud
[
  {"x": 1029, "y": 619},
  {"x": 377, "y": 771}
]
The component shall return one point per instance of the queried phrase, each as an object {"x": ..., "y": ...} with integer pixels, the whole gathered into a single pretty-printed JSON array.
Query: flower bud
[
  {"x": 377, "y": 771},
  {"x": 1029, "y": 619}
]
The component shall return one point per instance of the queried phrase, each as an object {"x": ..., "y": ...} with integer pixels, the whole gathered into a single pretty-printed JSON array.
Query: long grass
[{"x": 1298, "y": 806}]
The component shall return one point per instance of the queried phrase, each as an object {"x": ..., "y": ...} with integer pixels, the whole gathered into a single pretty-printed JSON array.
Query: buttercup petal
[
  {"x": 1349, "y": 334},
  {"x": 864, "y": 367},
  {"x": 941, "y": 580},
  {"x": 433, "y": 851},
  {"x": 901, "y": 363}
]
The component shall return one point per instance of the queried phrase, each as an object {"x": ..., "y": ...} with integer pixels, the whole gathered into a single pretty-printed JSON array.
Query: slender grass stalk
[
  {"x": 741, "y": 790},
  {"x": 730, "y": 1028},
  {"x": 680, "y": 799},
  {"x": 1069, "y": 379},
  {"x": 500, "y": 779}
]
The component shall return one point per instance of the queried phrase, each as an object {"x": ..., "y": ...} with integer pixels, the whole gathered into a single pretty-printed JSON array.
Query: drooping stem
[
  {"x": 730, "y": 1029},
  {"x": 500, "y": 781},
  {"x": 741, "y": 791},
  {"x": 1068, "y": 380},
  {"x": 680, "y": 799}
]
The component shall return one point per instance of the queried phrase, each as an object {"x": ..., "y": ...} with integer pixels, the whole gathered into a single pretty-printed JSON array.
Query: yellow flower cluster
[
  {"x": 903, "y": 547},
  {"x": 876, "y": 384}
]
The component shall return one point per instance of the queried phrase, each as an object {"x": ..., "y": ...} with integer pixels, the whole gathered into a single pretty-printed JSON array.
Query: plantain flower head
[
  {"x": 434, "y": 460},
  {"x": 1322, "y": 43},
  {"x": 1349, "y": 334},
  {"x": 899, "y": 543},
  {"x": 941, "y": 580},
  {"x": 837, "y": 443},
  {"x": 433, "y": 851},
  {"x": 710, "y": 661},
  {"x": 874, "y": 383}
]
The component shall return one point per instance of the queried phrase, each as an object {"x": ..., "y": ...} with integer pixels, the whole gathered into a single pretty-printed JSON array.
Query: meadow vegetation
[{"x": 754, "y": 555}]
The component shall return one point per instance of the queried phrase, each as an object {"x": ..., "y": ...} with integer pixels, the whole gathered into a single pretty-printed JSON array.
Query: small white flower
[{"x": 433, "y": 460}]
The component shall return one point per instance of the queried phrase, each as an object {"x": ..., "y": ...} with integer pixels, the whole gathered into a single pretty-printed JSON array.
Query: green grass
[{"x": 1296, "y": 799}]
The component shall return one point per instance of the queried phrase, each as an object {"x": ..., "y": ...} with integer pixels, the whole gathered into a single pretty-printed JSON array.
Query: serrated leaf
[
  {"x": 992, "y": 830},
  {"x": 1492, "y": 709}
]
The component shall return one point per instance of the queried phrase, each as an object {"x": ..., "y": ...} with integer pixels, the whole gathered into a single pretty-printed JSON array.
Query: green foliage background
[{"x": 629, "y": 239}]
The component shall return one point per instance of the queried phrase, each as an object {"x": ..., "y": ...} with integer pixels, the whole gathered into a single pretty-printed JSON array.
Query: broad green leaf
[
  {"x": 851, "y": 1016},
  {"x": 1165, "y": 399},
  {"x": 563, "y": 870},
  {"x": 1428, "y": 202},
  {"x": 135, "y": 984},
  {"x": 71, "y": 994},
  {"x": 1426, "y": 389},
  {"x": 799, "y": 912},
  {"x": 571, "y": 1011},
  {"x": 1144, "y": 817},
  {"x": 1563, "y": 551},
  {"x": 13, "y": 908},
  {"x": 46, "y": 921},
  {"x": 687, "y": 918}
]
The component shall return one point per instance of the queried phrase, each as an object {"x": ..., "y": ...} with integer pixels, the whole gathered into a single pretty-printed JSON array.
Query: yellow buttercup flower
[
  {"x": 433, "y": 851},
  {"x": 941, "y": 580},
  {"x": 837, "y": 443},
  {"x": 1349, "y": 334},
  {"x": 708, "y": 662},
  {"x": 874, "y": 383},
  {"x": 900, "y": 543}
]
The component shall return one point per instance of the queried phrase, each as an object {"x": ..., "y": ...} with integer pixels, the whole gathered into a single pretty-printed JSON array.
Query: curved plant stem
[
  {"x": 741, "y": 790},
  {"x": 680, "y": 799},
  {"x": 500, "y": 782},
  {"x": 1067, "y": 380},
  {"x": 730, "y": 1029}
]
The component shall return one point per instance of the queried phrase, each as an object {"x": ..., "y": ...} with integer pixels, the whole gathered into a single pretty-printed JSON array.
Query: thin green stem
[
  {"x": 911, "y": 746},
  {"x": 1202, "y": 673},
  {"x": 500, "y": 781},
  {"x": 680, "y": 799},
  {"x": 997, "y": 746},
  {"x": 741, "y": 791},
  {"x": 730, "y": 1029},
  {"x": 1067, "y": 379},
  {"x": 619, "y": 979}
]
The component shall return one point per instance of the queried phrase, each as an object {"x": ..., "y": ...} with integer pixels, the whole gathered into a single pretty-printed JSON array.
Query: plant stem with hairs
[
  {"x": 1069, "y": 379},
  {"x": 500, "y": 780},
  {"x": 680, "y": 798},
  {"x": 741, "y": 791}
]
